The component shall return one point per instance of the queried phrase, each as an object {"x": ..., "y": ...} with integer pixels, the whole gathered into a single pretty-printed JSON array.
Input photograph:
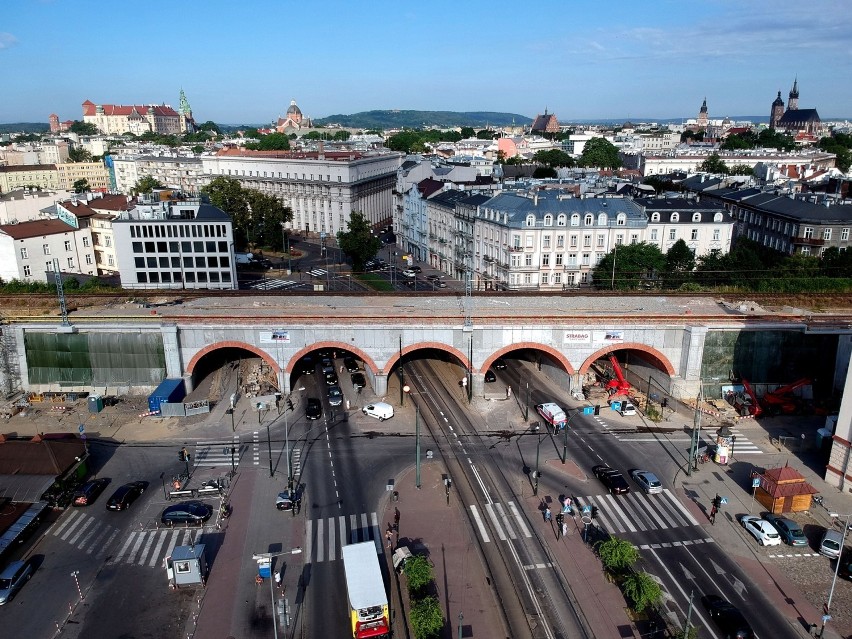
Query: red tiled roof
[
  {"x": 46, "y": 455},
  {"x": 112, "y": 203},
  {"x": 119, "y": 109},
  {"x": 429, "y": 186},
  {"x": 35, "y": 228}
]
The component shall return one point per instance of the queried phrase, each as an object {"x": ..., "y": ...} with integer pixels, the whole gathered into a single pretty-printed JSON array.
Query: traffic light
[
  {"x": 594, "y": 512},
  {"x": 597, "y": 409}
]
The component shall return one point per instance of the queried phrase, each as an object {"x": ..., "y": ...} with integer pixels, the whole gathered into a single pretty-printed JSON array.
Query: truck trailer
[{"x": 365, "y": 588}]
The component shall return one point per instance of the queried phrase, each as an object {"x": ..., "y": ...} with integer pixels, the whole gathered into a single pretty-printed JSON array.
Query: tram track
[{"x": 533, "y": 601}]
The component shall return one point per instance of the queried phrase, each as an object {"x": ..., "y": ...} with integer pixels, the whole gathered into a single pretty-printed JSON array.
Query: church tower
[
  {"x": 187, "y": 124},
  {"x": 793, "y": 102},
  {"x": 776, "y": 112},
  {"x": 702, "y": 115}
]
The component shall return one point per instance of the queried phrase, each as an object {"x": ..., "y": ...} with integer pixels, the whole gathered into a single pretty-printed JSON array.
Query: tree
[
  {"x": 617, "y": 554},
  {"x": 642, "y": 591},
  {"x": 407, "y": 141},
  {"x": 357, "y": 242},
  {"x": 426, "y": 618},
  {"x": 146, "y": 184},
  {"x": 680, "y": 262},
  {"x": 81, "y": 186},
  {"x": 83, "y": 128},
  {"x": 543, "y": 172},
  {"x": 271, "y": 142},
  {"x": 198, "y": 149},
  {"x": 467, "y": 132},
  {"x": 486, "y": 134},
  {"x": 227, "y": 194},
  {"x": 342, "y": 136},
  {"x": 79, "y": 154},
  {"x": 553, "y": 158},
  {"x": 713, "y": 164},
  {"x": 268, "y": 214},
  {"x": 692, "y": 136},
  {"x": 741, "y": 169},
  {"x": 210, "y": 126},
  {"x": 839, "y": 144},
  {"x": 633, "y": 265},
  {"x": 601, "y": 154},
  {"x": 418, "y": 574}
]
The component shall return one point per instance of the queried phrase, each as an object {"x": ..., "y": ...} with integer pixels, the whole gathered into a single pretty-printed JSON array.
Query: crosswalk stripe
[
  {"x": 519, "y": 520},
  {"x": 103, "y": 531},
  {"x": 331, "y": 539},
  {"x": 616, "y": 504},
  {"x": 320, "y": 545},
  {"x": 680, "y": 507},
  {"x": 377, "y": 537},
  {"x": 144, "y": 555},
  {"x": 72, "y": 527},
  {"x": 163, "y": 535},
  {"x": 342, "y": 523},
  {"x": 509, "y": 530},
  {"x": 172, "y": 543},
  {"x": 89, "y": 521},
  {"x": 365, "y": 530},
  {"x": 309, "y": 537},
  {"x": 123, "y": 550},
  {"x": 482, "y": 532},
  {"x": 353, "y": 533},
  {"x": 634, "y": 499},
  {"x": 139, "y": 540},
  {"x": 103, "y": 547},
  {"x": 489, "y": 508},
  {"x": 92, "y": 531},
  {"x": 71, "y": 516},
  {"x": 671, "y": 512},
  {"x": 653, "y": 505}
]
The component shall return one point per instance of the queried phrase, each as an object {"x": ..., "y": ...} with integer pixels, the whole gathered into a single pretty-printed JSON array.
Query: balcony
[
  {"x": 807, "y": 241},
  {"x": 516, "y": 249},
  {"x": 488, "y": 259}
]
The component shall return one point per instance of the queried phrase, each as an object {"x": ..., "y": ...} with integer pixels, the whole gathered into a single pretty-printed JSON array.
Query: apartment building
[
  {"x": 28, "y": 250},
  {"x": 43, "y": 152},
  {"x": 44, "y": 176},
  {"x": 181, "y": 243},
  {"x": 136, "y": 119},
  {"x": 322, "y": 188},
  {"x": 23, "y": 205},
  {"x": 95, "y": 173},
  {"x": 96, "y": 212},
  {"x": 704, "y": 225},
  {"x": 181, "y": 172},
  {"x": 689, "y": 160}
]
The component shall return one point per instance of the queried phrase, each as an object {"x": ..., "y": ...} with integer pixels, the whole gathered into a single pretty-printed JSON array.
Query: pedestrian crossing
[
  {"x": 140, "y": 547},
  {"x": 217, "y": 452},
  {"x": 631, "y": 513},
  {"x": 325, "y": 537},
  {"x": 318, "y": 272},
  {"x": 273, "y": 284}
]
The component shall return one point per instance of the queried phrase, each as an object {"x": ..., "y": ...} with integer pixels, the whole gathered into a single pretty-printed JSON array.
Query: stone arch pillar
[{"x": 380, "y": 383}]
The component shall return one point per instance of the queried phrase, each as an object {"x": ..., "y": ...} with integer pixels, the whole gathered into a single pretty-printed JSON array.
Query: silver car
[
  {"x": 335, "y": 395},
  {"x": 13, "y": 578},
  {"x": 647, "y": 481}
]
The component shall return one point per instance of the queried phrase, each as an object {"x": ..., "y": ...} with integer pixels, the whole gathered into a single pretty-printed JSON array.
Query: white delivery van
[
  {"x": 552, "y": 414},
  {"x": 627, "y": 409},
  {"x": 379, "y": 410}
]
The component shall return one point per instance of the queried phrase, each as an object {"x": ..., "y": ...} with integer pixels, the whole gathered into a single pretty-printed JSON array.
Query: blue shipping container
[{"x": 169, "y": 390}]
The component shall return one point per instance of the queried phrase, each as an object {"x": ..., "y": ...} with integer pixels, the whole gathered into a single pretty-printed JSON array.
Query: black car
[
  {"x": 307, "y": 365},
  {"x": 416, "y": 269},
  {"x": 729, "y": 619},
  {"x": 490, "y": 376},
  {"x": 89, "y": 492},
  {"x": 331, "y": 378},
  {"x": 500, "y": 364},
  {"x": 187, "y": 512},
  {"x": 612, "y": 479},
  {"x": 845, "y": 569},
  {"x": 126, "y": 495},
  {"x": 350, "y": 364},
  {"x": 358, "y": 380},
  {"x": 433, "y": 278},
  {"x": 313, "y": 410}
]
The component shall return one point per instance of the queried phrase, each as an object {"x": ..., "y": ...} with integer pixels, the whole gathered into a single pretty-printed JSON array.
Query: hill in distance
[
  {"x": 417, "y": 119},
  {"x": 25, "y": 127}
]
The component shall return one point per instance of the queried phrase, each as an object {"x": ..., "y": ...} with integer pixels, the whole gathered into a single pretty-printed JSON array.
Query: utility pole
[
  {"x": 537, "y": 456},
  {"x": 696, "y": 430},
  {"x": 417, "y": 444},
  {"x": 688, "y": 616}
]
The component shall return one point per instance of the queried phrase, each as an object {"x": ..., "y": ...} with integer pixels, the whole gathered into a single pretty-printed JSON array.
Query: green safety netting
[{"x": 95, "y": 359}]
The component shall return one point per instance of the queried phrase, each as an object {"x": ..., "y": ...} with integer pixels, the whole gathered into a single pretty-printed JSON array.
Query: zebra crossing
[
  {"x": 318, "y": 272},
  {"x": 140, "y": 547},
  {"x": 742, "y": 446},
  {"x": 217, "y": 452},
  {"x": 325, "y": 537},
  {"x": 273, "y": 284},
  {"x": 631, "y": 513}
]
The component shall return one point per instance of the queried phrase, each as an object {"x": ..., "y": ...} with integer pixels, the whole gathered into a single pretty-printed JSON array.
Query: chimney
[{"x": 320, "y": 151}]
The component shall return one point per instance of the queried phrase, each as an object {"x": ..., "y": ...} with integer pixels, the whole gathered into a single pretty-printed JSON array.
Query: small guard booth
[
  {"x": 783, "y": 490},
  {"x": 186, "y": 566}
]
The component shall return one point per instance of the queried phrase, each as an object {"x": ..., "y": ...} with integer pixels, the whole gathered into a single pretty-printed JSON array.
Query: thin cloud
[{"x": 7, "y": 40}]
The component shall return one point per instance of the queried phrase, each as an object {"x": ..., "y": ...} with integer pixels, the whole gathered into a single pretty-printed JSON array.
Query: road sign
[
  {"x": 755, "y": 482},
  {"x": 588, "y": 410},
  {"x": 587, "y": 509},
  {"x": 615, "y": 405},
  {"x": 81, "y": 428},
  {"x": 723, "y": 500}
]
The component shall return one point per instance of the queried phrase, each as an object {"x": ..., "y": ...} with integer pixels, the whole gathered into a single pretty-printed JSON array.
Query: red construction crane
[
  {"x": 618, "y": 384},
  {"x": 781, "y": 400}
]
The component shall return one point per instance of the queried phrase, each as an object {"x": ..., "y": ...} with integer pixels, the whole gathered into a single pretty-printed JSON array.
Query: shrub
[
  {"x": 642, "y": 591},
  {"x": 418, "y": 573},
  {"x": 617, "y": 554},
  {"x": 426, "y": 618}
]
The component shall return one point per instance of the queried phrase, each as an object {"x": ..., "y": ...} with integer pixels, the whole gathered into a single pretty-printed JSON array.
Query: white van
[
  {"x": 379, "y": 410},
  {"x": 553, "y": 414},
  {"x": 627, "y": 409}
]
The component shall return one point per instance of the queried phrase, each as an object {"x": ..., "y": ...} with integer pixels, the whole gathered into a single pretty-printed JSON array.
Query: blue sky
[{"x": 242, "y": 62}]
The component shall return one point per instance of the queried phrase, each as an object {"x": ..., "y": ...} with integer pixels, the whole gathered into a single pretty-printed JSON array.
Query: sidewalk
[{"x": 428, "y": 526}]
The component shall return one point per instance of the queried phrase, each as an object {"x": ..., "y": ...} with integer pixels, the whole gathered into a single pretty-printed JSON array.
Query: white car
[
  {"x": 761, "y": 530},
  {"x": 647, "y": 481},
  {"x": 409, "y": 273},
  {"x": 379, "y": 410}
]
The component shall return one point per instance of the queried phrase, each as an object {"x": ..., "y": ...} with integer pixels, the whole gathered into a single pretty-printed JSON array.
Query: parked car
[
  {"x": 187, "y": 512},
  {"x": 647, "y": 481},
  {"x": 761, "y": 530},
  {"x": 331, "y": 379},
  {"x": 358, "y": 380},
  {"x": 612, "y": 479},
  {"x": 409, "y": 273},
  {"x": 313, "y": 409},
  {"x": 845, "y": 568},
  {"x": 89, "y": 492},
  {"x": 125, "y": 495},
  {"x": 791, "y": 532},
  {"x": 13, "y": 578},
  {"x": 307, "y": 365},
  {"x": 350, "y": 364},
  {"x": 416, "y": 269},
  {"x": 335, "y": 395},
  {"x": 379, "y": 410},
  {"x": 727, "y": 617},
  {"x": 490, "y": 376},
  {"x": 627, "y": 409},
  {"x": 433, "y": 278},
  {"x": 499, "y": 364},
  {"x": 831, "y": 543},
  {"x": 439, "y": 284}
]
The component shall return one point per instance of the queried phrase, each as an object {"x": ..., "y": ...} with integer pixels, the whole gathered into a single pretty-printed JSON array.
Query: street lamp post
[
  {"x": 614, "y": 255},
  {"x": 827, "y": 616},
  {"x": 407, "y": 389},
  {"x": 267, "y": 557},
  {"x": 537, "y": 457}
]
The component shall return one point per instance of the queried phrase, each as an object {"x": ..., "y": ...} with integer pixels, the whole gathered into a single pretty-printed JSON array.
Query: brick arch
[
  {"x": 657, "y": 357},
  {"x": 422, "y": 345},
  {"x": 266, "y": 357},
  {"x": 555, "y": 354},
  {"x": 339, "y": 346}
]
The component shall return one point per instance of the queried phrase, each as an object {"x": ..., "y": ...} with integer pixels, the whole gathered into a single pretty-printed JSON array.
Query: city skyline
[{"x": 603, "y": 61}]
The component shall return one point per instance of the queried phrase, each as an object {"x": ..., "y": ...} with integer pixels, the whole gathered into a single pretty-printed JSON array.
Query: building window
[
  {"x": 559, "y": 259},
  {"x": 694, "y": 235},
  {"x": 844, "y": 235},
  {"x": 587, "y": 241},
  {"x": 601, "y": 240},
  {"x": 548, "y": 220},
  {"x": 544, "y": 278},
  {"x": 530, "y": 220},
  {"x": 575, "y": 219},
  {"x": 653, "y": 235},
  {"x": 529, "y": 241},
  {"x": 621, "y": 220},
  {"x": 25, "y": 255},
  {"x": 88, "y": 258},
  {"x": 560, "y": 241},
  {"x": 586, "y": 259},
  {"x": 545, "y": 242},
  {"x": 672, "y": 234},
  {"x": 528, "y": 259},
  {"x": 696, "y": 217},
  {"x": 108, "y": 241},
  {"x": 634, "y": 238},
  {"x": 67, "y": 245},
  {"x": 560, "y": 221},
  {"x": 716, "y": 235},
  {"x": 675, "y": 217},
  {"x": 809, "y": 233},
  {"x": 655, "y": 217},
  {"x": 806, "y": 250},
  {"x": 826, "y": 234},
  {"x": 48, "y": 266},
  {"x": 619, "y": 239},
  {"x": 46, "y": 248},
  {"x": 589, "y": 219},
  {"x": 27, "y": 271},
  {"x": 545, "y": 259}
]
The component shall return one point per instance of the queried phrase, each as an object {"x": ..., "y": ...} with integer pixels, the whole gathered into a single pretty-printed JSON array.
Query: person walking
[
  {"x": 713, "y": 512},
  {"x": 278, "y": 579},
  {"x": 547, "y": 514},
  {"x": 389, "y": 536},
  {"x": 396, "y": 518},
  {"x": 564, "y": 529},
  {"x": 560, "y": 520},
  {"x": 508, "y": 392}
]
